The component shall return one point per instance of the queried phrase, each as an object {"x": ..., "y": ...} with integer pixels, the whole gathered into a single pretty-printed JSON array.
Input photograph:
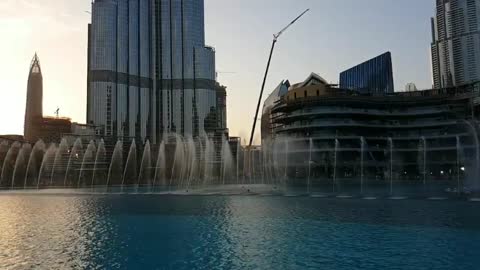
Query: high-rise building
[
  {"x": 34, "y": 106},
  {"x": 150, "y": 72},
  {"x": 456, "y": 42},
  {"x": 374, "y": 76}
]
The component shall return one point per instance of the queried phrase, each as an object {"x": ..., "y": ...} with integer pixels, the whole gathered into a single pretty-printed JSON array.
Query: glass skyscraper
[
  {"x": 150, "y": 72},
  {"x": 456, "y": 42},
  {"x": 374, "y": 76}
]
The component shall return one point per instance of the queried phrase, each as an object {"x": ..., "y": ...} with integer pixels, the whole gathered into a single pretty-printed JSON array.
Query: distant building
[
  {"x": 410, "y": 87},
  {"x": 37, "y": 126},
  {"x": 374, "y": 76},
  {"x": 456, "y": 42},
  {"x": 53, "y": 129},
  {"x": 34, "y": 106}
]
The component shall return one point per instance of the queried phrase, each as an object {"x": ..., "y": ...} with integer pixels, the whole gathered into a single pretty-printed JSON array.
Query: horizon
[{"x": 62, "y": 49}]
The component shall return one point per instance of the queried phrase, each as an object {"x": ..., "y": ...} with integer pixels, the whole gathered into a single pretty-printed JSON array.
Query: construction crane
[
  {"x": 57, "y": 112},
  {"x": 275, "y": 39}
]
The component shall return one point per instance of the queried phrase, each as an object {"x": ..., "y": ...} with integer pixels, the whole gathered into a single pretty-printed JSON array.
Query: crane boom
[{"x": 276, "y": 36}]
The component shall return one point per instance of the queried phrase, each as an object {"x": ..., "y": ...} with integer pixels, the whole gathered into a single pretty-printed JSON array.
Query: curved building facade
[{"x": 340, "y": 138}]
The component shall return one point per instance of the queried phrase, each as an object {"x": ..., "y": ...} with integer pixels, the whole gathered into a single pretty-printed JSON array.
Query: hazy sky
[{"x": 334, "y": 36}]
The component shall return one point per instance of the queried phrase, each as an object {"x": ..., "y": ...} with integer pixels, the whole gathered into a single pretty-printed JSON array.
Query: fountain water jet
[
  {"x": 61, "y": 151},
  {"x": 9, "y": 163},
  {"x": 99, "y": 158},
  {"x": 160, "y": 167},
  {"x": 116, "y": 164},
  {"x": 130, "y": 172},
  {"x": 145, "y": 166},
  {"x": 35, "y": 160},
  {"x": 21, "y": 163},
  {"x": 88, "y": 160},
  {"x": 74, "y": 156},
  {"x": 48, "y": 158}
]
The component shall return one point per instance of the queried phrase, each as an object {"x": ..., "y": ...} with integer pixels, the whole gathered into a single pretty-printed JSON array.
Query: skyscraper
[
  {"x": 456, "y": 42},
  {"x": 34, "y": 106},
  {"x": 374, "y": 76},
  {"x": 150, "y": 72}
]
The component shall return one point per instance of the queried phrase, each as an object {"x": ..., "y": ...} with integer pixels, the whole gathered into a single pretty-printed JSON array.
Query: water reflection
[{"x": 234, "y": 232}]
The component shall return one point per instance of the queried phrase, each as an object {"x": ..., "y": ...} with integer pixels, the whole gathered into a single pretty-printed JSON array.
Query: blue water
[{"x": 41, "y": 231}]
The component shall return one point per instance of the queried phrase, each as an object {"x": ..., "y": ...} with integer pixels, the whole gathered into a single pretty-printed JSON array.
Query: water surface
[{"x": 74, "y": 231}]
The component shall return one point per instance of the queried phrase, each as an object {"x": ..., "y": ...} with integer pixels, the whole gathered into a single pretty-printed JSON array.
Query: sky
[{"x": 334, "y": 36}]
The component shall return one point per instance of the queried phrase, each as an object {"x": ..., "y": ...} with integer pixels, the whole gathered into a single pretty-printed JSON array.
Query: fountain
[
  {"x": 34, "y": 162},
  {"x": 390, "y": 143},
  {"x": 180, "y": 164},
  {"x": 115, "y": 170},
  {"x": 145, "y": 166},
  {"x": 87, "y": 164},
  {"x": 21, "y": 163},
  {"x": 160, "y": 167},
  {"x": 100, "y": 159},
  {"x": 47, "y": 161},
  {"x": 62, "y": 151},
  {"x": 362, "y": 163},
  {"x": 309, "y": 165},
  {"x": 335, "y": 160},
  {"x": 75, "y": 157},
  {"x": 227, "y": 162},
  {"x": 9, "y": 163},
  {"x": 130, "y": 171}
]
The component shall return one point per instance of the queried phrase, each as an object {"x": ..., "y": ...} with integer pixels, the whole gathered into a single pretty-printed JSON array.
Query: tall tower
[
  {"x": 456, "y": 42},
  {"x": 150, "y": 72},
  {"x": 34, "y": 107}
]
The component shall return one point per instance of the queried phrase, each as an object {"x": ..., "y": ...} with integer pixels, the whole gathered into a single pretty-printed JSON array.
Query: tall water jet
[
  {"x": 362, "y": 163},
  {"x": 309, "y": 180},
  {"x": 422, "y": 152},
  {"x": 335, "y": 160},
  {"x": 34, "y": 163},
  {"x": 208, "y": 160},
  {"x": 285, "y": 177},
  {"x": 87, "y": 164},
  {"x": 227, "y": 161},
  {"x": 475, "y": 185},
  {"x": 130, "y": 172},
  {"x": 390, "y": 143},
  {"x": 47, "y": 161},
  {"x": 100, "y": 160},
  {"x": 145, "y": 167},
  {"x": 160, "y": 167},
  {"x": 9, "y": 164},
  {"x": 238, "y": 163},
  {"x": 21, "y": 163},
  {"x": 192, "y": 161},
  {"x": 458, "y": 165},
  {"x": 115, "y": 171},
  {"x": 62, "y": 151},
  {"x": 4, "y": 147},
  {"x": 75, "y": 157}
]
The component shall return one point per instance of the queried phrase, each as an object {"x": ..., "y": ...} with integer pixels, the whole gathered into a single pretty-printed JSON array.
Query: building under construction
[{"x": 341, "y": 137}]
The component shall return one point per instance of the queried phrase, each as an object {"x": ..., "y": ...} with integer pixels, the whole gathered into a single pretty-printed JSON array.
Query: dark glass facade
[{"x": 374, "y": 76}]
